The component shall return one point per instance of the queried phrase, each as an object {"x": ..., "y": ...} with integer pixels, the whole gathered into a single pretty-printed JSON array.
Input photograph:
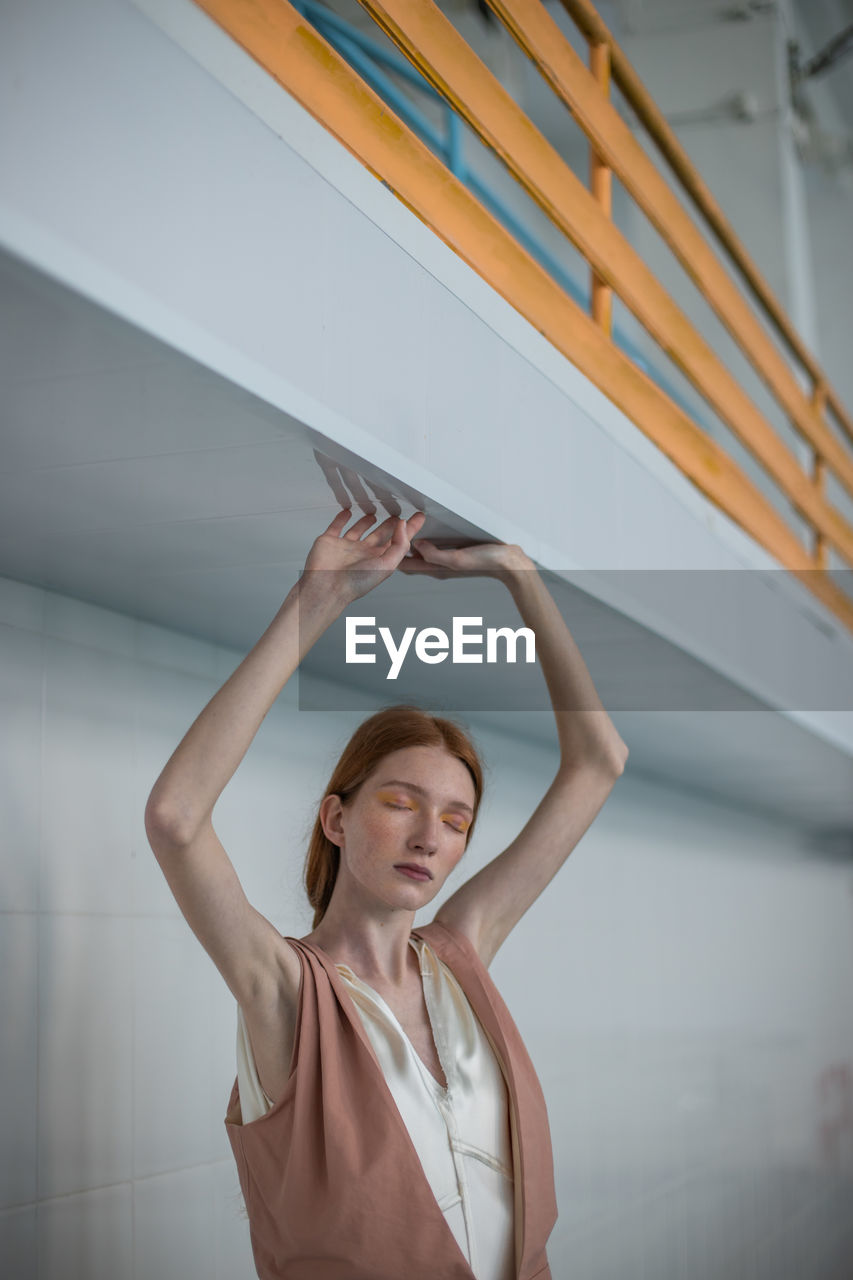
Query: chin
[{"x": 425, "y": 889}]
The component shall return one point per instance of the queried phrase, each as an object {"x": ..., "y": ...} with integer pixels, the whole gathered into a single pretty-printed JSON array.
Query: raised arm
[
  {"x": 246, "y": 948},
  {"x": 592, "y": 754}
]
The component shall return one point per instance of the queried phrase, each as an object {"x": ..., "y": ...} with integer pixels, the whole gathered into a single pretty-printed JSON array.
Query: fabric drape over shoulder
[{"x": 332, "y": 1182}]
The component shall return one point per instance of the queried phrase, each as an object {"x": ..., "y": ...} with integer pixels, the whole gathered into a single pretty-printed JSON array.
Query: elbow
[
  {"x": 612, "y": 752},
  {"x": 167, "y": 828},
  {"x": 607, "y": 758},
  {"x": 620, "y": 759}
]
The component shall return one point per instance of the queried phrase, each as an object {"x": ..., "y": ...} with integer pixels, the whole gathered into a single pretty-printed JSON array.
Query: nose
[{"x": 425, "y": 836}]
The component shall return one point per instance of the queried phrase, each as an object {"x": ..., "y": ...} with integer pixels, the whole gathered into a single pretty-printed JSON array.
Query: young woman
[{"x": 386, "y": 1120}]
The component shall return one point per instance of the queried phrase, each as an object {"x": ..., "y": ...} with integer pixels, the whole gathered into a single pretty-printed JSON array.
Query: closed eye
[{"x": 396, "y": 804}]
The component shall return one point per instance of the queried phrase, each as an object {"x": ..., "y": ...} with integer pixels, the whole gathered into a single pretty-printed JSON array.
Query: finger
[
  {"x": 438, "y": 555},
  {"x": 361, "y": 526},
  {"x": 391, "y": 525},
  {"x": 402, "y": 537},
  {"x": 415, "y": 567},
  {"x": 394, "y": 550},
  {"x": 339, "y": 521},
  {"x": 381, "y": 532},
  {"x": 396, "y": 526}
]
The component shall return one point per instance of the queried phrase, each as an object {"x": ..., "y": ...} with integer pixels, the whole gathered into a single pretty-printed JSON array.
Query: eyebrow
[{"x": 421, "y": 791}]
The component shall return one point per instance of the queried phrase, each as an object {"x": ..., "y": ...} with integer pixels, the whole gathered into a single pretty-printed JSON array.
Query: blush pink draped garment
[{"x": 332, "y": 1182}]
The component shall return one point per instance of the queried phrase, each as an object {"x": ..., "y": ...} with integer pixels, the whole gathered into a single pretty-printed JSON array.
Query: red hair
[{"x": 391, "y": 729}]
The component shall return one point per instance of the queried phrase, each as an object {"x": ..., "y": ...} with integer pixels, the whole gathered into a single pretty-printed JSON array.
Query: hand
[
  {"x": 355, "y": 563},
  {"x": 484, "y": 559}
]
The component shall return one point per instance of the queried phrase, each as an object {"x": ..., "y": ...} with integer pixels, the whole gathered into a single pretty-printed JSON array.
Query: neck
[{"x": 376, "y": 950}]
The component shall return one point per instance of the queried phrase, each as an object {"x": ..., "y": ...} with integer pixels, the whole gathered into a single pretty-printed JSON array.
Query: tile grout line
[{"x": 108, "y": 1186}]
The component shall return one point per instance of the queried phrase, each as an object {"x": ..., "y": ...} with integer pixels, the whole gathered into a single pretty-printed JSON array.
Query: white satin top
[{"x": 461, "y": 1133}]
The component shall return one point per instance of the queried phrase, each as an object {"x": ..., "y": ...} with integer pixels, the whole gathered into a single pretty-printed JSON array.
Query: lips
[{"x": 414, "y": 870}]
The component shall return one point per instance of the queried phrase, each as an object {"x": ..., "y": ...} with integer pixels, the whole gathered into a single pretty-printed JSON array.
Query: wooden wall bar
[
  {"x": 292, "y": 51},
  {"x": 601, "y": 186},
  {"x": 432, "y": 43},
  {"x": 589, "y": 22},
  {"x": 542, "y": 40}
]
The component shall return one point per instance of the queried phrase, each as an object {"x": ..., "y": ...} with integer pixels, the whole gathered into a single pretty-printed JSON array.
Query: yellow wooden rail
[
  {"x": 601, "y": 186},
  {"x": 433, "y": 45},
  {"x": 291, "y": 50},
  {"x": 541, "y": 39},
  {"x": 596, "y": 31}
]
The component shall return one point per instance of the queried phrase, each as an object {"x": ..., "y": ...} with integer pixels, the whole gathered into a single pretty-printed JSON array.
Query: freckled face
[{"x": 416, "y": 807}]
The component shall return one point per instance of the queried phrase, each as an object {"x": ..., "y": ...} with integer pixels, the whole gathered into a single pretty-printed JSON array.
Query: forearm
[
  {"x": 186, "y": 791},
  {"x": 584, "y": 729}
]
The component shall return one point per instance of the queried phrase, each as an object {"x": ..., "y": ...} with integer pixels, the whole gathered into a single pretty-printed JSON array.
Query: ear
[{"x": 330, "y": 813}]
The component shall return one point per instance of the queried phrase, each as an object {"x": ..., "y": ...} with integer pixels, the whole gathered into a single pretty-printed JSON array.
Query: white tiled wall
[{"x": 682, "y": 987}]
